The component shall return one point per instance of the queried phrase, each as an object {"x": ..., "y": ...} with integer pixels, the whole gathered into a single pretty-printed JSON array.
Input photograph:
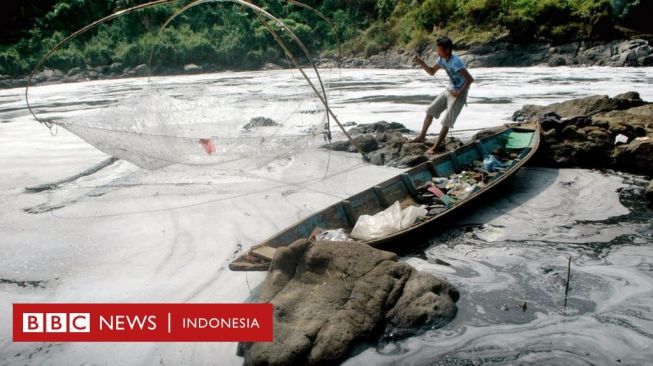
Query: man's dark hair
[{"x": 445, "y": 42}]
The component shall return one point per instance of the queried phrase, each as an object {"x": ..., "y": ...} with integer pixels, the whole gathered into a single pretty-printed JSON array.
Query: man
[{"x": 453, "y": 99}]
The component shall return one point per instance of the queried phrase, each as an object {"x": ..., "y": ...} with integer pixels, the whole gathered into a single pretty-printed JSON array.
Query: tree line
[{"x": 231, "y": 36}]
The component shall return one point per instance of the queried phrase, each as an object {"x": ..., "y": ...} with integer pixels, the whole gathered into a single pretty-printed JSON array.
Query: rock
[
  {"x": 620, "y": 128},
  {"x": 571, "y": 132},
  {"x": 388, "y": 146},
  {"x": 367, "y": 143},
  {"x": 380, "y": 126},
  {"x": 412, "y": 149},
  {"x": 558, "y": 61},
  {"x": 338, "y": 145},
  {"x": 587, "y": 106},
  {"x": 645, "y": 61},
  {"x": 39, "y": 78},
  {"x": 643, "y": 51},
  {"x": 13, "y": 83},
  {"x": 600, "y": 123},
  {"x": 192, "y": 69},
  {"x": 550, "y": 133},
  {"x": 53, "y": 74},
  {"x": 632, "y": 122},
  {"x": 271, "y": 66},
  {"x": 627, "y": 59},
  {"x": 330, "y": 296},
  {"x": 572, "y": 108},
  {"x": 116, "y": 68},
  {"x": 635, "y": 157},
  {"x": 504, "y": 52},
  {"x": 210, "y": 67},
  {"x": 628, "y": 100},
  {"x": 596, "y": 134},
  {"x": 73, "y": 78},
  {"x": 377, "y": 157},
  {"x": 649, "y": 192},
  {"x": 74, "y": 71},
  {"x": 260, "y": 122},
  {"x": 420, "y": 303},
  {"x": 4, "y": 77},
  {"x": 573, "y": 146},
  {"x": 140, "y": 70}
]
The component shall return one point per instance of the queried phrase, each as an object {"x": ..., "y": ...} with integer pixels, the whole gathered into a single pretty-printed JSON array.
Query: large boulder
[
  {"x": 330, "y": 296},
  {"x": 633, "y": 122},
  {"x": 586, "y": 106},
  {"x": 635, "y": 157},
  {"x": 595, "y": 132}
]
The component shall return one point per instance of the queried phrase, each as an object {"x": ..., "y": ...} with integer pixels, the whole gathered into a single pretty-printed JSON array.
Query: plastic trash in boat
[
  {"x": 492, "y": 164},
  {"x": 387, "y": 222}
]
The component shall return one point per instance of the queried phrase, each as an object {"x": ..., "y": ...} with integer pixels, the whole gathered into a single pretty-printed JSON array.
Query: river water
[{"x": 128, "y": 234}]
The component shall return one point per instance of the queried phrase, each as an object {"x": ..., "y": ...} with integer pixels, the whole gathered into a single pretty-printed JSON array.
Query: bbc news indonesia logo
[
  {"x": 56, "y": 322},
  {"x": 142, "y": 323}
]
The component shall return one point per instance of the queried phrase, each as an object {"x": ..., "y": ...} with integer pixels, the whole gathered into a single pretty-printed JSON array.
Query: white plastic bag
[
  {"x": 410, "y": 214},
  {"x": 386, "y": 222}
]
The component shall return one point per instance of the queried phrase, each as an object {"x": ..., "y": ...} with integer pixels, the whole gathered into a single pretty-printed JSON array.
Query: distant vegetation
[{"x": 231, "y": 36}]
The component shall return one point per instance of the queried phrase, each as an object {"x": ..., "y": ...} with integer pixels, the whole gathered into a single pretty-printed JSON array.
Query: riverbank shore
[{"x": 618, "y": 53}]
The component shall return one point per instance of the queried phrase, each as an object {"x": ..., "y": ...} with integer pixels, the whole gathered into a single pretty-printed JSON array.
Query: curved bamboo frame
[{"x": 262, "y": 14}]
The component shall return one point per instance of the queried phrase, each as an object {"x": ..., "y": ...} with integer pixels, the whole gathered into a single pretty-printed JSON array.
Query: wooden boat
[{"x": 521, "y": 142}]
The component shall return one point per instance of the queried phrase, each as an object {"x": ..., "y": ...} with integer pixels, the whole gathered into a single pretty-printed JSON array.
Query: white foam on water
[{"x": 126, "y": 234}]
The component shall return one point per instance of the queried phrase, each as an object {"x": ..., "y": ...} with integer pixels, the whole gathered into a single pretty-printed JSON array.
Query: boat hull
[{"x": 405, "y": 189}]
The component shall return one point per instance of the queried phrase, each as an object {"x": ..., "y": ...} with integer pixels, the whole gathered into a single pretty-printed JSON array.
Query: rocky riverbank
[
  {"x": 116, "y": 70},
  {"x": 596, "y": 132},
  {"x": 635, "y": 52}
]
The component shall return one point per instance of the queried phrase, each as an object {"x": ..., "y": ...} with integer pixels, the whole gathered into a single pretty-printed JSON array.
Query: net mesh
[{"x": 235, "y": 130}]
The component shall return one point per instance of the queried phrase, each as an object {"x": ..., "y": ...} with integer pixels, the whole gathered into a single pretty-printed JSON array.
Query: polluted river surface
[{"x": 127, "y": 234}]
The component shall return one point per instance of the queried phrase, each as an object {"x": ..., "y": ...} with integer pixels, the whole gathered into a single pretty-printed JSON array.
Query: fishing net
[
  {"x": 229, "y": 122},
  {"x": 242, "y": 129}
]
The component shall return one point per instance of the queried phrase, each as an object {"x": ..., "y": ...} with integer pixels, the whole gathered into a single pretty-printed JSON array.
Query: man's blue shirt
[{"x": 453, "y": 67}]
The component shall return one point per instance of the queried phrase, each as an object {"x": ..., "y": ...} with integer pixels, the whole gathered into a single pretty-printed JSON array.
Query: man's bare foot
[
  {"x": 418, "y": 139},
  {"x": 435, "y": 150}
]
